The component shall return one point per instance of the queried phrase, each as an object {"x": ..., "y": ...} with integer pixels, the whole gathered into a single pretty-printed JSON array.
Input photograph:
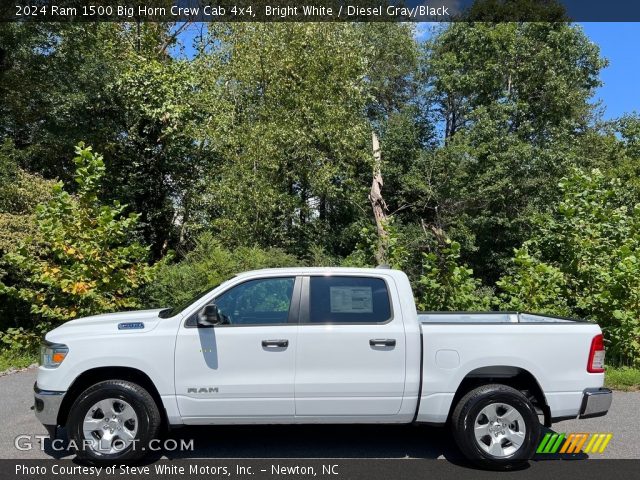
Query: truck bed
[{"x": 552, "y": 350}]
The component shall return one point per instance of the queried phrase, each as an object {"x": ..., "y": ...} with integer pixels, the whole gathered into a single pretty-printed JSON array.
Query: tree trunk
[
  {"x": 186, "y": 213},
  {"x": 377, "y": 202}
]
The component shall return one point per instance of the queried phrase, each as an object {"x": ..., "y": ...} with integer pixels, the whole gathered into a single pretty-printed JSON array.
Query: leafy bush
[
  {"x": 585, "y": 259},
  {"x": 534, "y": 287},
  {"x": 364, "y": 255},
  {"x": 84, "y": 261},
  {"x": 446, "y": 285},
  {"x": 20, "y": 340},
  {"x": 20, "y": 193},
  {"x": 207, "y": 265}
]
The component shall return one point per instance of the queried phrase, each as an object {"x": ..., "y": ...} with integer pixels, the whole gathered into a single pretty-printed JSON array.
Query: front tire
[
  {"x": 496, "y": 426},
  {"x": 113, "y": 420}
]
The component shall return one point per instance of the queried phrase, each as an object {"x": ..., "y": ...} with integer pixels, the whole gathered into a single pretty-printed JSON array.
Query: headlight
[{"x": 52, "y": 354}]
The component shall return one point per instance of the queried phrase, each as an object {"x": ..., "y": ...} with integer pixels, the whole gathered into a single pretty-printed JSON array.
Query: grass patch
[
  {"x": 10, "y": 359},
  {"x": 622, "y": 378}
]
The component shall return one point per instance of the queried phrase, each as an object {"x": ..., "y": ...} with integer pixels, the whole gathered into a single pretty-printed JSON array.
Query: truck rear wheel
[
  {"x": 496, "y": 426},
  {"x": 113, "y": 420}
]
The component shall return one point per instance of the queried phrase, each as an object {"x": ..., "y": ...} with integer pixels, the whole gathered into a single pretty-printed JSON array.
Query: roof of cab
[{"x": 321, "y": 271}]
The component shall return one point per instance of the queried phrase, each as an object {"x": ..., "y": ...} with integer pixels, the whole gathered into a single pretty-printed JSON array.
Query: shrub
[
  {"x": 20, "y": 340},
  {"x": 207, "y": 265},
  {"x": 533, "y": 286},
  {"x": 446, "y": 285},
  {"x": 585, "y": 259},
  {"x": 84, "y": 261}
]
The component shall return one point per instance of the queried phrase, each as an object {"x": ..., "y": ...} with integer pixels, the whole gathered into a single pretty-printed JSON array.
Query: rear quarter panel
[{"x": 556, "y": 354}]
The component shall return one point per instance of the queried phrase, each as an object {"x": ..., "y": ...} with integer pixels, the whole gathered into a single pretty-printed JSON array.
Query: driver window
[{"x": 257, "y": 302}]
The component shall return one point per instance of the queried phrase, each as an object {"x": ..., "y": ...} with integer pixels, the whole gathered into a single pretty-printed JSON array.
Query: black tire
[
  {"x": 468, "y": 409},
  {"x": 146, "y": 410}
]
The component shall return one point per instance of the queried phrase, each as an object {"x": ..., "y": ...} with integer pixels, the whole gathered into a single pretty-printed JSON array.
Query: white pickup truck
[{"x": 318, "y": 345}]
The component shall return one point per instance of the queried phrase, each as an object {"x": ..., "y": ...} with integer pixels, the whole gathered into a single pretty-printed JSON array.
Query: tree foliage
[
  {"x": 251, "y": 146},
  {"x": 513, "y": 99},
  {"x": 85, "y": 262},
  {"x": 447, "y": 285},
  {"x": 20, "y": 193},
  {"x": 208, "y": 265},
  {"x": 297, "y": 138},
  {"x": 534, "y": 286},
  {"x": 115, "y": 87},
  {"x": 584, "y": 261}
]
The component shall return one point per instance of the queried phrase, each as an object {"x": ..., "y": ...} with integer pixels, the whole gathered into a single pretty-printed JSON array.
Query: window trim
[
  {"x": 294, "y": 308},
  {"x": 305, "y": 301}
]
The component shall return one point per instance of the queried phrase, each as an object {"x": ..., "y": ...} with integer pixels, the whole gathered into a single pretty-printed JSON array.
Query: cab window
[
  {"x": 337, "y": 299},
  {"x": 257, "y": 302}
]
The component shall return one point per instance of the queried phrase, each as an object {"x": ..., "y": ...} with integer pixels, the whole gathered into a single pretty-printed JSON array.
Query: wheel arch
[
  {"x": 516, "y": 377},
  {"x": 94, "y": 375}
]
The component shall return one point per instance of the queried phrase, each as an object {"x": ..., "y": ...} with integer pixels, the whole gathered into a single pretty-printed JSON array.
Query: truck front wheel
[
  {"x": 496, "y": 426},
  {"x": 113, "y": 420}
]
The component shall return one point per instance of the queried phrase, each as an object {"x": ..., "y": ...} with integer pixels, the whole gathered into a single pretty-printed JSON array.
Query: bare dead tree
[{"x": 377, "y": 201}]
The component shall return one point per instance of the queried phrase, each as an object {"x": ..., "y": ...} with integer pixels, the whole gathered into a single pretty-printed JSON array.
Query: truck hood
[{"x": 125, "y": 323}]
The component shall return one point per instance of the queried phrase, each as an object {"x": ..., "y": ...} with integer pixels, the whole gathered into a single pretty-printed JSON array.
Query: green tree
[
  {"x": 116, "y": 87},
  {"x": 292, "y": 157},
  {"x": 584, "y": 259},
  {"x": 85, "y": 262},
  {"x": 207, "y": 265},
  {"x": 621, "y": 139},
  {"x": 158, "y": 163},
  {"x": 286, "y": 165},
  {"x": 513, "y": 101}
]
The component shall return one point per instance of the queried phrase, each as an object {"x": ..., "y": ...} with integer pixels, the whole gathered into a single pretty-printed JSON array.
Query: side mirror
[{"x": 210, "y": 316}]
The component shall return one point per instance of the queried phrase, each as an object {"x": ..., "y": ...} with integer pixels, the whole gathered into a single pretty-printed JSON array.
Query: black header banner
[{"x": 318, "y": 10}]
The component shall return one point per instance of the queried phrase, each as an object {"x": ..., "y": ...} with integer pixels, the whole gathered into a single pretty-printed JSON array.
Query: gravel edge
[{"x": 11, "y": 371}]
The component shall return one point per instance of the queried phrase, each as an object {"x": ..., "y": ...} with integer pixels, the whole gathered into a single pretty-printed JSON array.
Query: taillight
[{"x": 596, "y": 355}]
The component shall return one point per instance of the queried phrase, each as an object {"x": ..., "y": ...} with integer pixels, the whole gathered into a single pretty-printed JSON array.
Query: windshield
[{"x": 171, "y": 311}]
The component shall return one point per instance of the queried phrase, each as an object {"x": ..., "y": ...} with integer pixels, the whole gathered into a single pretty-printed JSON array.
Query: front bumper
[
  {"x": 595, "y": 402},
  {"x": 47, "y": 405}
]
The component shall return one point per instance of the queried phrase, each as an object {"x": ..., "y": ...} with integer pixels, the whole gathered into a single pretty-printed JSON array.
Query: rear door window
[{"x": 338, "y": 299}]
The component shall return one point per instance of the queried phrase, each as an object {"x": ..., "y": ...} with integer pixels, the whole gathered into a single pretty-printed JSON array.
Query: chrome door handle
[
  {"x": 382, "y": 342},
  {"x": 275, "y": 343}
]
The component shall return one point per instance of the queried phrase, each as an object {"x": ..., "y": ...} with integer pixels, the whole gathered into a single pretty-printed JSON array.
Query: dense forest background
[{"x": 135, "y": 175}]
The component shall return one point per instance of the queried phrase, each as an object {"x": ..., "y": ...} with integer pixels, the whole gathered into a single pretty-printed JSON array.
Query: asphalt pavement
[{"x": 298, "y": 441}]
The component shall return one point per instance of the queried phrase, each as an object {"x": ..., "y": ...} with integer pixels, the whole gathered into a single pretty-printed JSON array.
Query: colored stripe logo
[{"x": 574, "y": 443}]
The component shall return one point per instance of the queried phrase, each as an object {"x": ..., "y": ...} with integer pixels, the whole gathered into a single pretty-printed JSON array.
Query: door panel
[
  {"x": 245, "y": 367},
  {"x": 339, "y": 373},
  {"x": 250, "y": 379},
  {"x": 339, "y": 369}
]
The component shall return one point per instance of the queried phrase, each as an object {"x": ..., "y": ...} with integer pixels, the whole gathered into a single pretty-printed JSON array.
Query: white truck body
[{"x": 407, "y": 368}]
